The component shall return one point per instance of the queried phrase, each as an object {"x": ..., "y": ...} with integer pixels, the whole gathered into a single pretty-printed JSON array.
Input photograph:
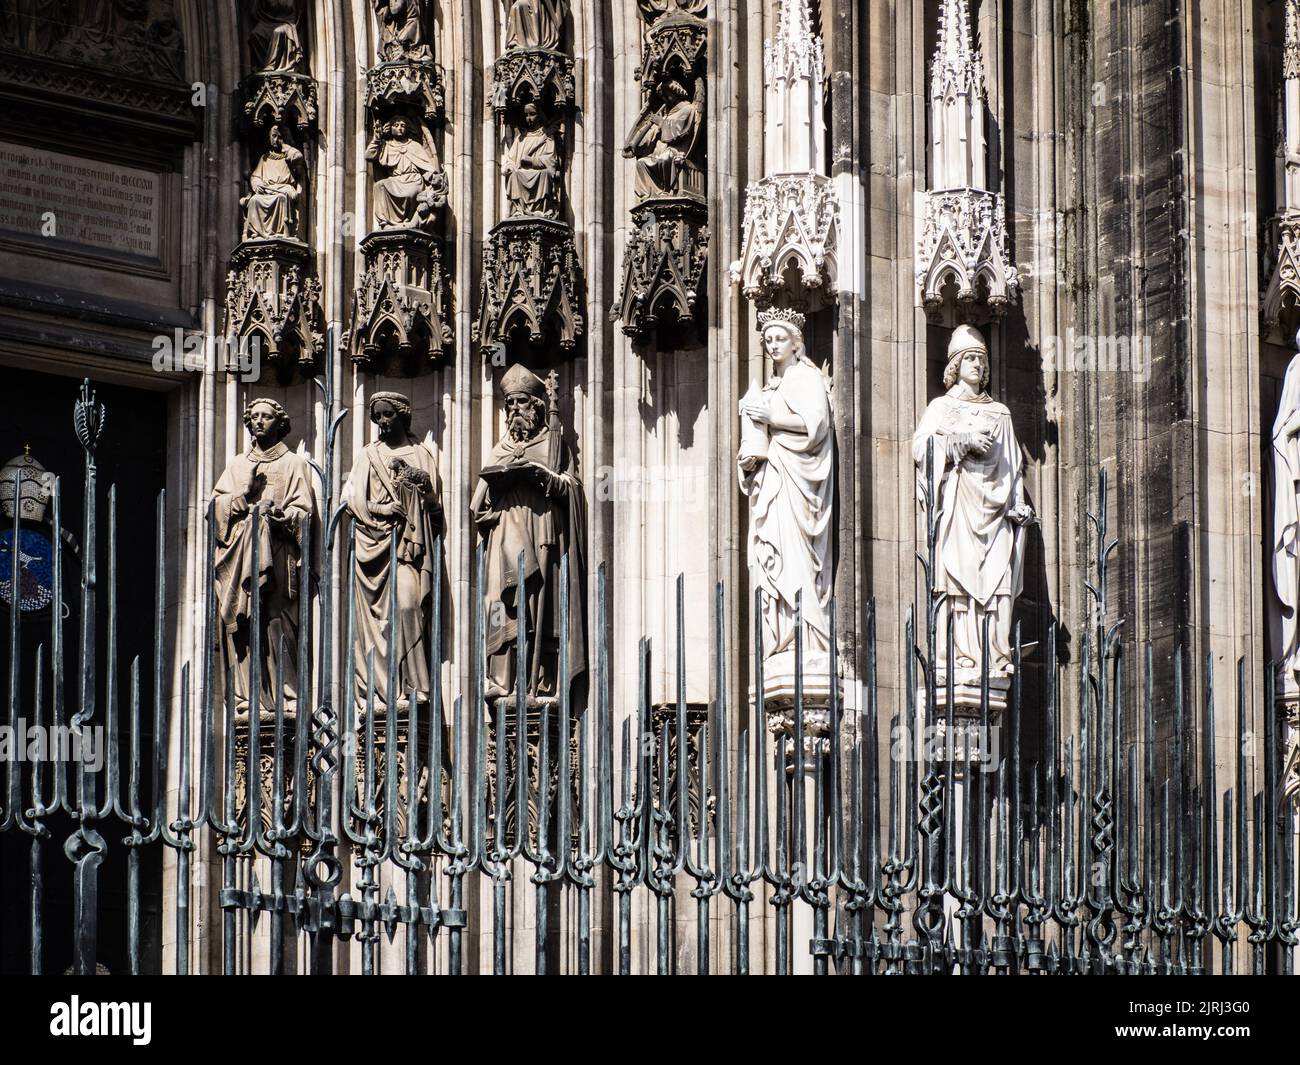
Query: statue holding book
[{"x": 530, "y": 503}]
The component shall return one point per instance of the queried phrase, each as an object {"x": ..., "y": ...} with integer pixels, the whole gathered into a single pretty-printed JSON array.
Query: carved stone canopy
[
  {"x": 282, "y": 98},
  {"x": 963, "y": 245},
  {"x": 791, "y": 225},
  {"x": 399, "y": 309},
  {"x": 664, "y": 271},
  {"x": 273, "y": 298},
  {"x": 531, "y": 284},
  {"x": 405, "y": 83},
  {"x": 532, "y": 74}
]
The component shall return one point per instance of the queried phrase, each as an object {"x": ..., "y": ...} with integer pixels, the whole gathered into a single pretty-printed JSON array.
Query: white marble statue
[
  {"x": 1286, "y": 527},
  {"x": 786, "y": 467},
  {"x": 979, "y": 491}
]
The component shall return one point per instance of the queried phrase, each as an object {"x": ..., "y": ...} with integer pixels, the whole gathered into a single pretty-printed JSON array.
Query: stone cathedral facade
[{"x": 366, "y": 209}]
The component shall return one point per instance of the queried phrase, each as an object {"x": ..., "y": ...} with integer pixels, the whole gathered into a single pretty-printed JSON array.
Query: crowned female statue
[
  {"x": 979, "y": 494},
  {"x": 786, "y": 467},
  {"x": 394, "y": 486}
]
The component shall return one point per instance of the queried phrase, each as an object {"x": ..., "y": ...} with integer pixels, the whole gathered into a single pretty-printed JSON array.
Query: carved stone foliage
[
  {"x": 664, "y": 268},
  {"x": 531, "y": 280},
  {"x": 273, "y": 296},
  {"x": 963, "y": 242},
  {"x": 400, "y": 307},
  {"x": 791, "y": 223}
]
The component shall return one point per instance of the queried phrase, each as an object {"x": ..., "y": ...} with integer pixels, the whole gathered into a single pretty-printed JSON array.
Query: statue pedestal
[
  {"x": 779, "y": 677},
  {"x": 664, "y": 267},
  {"x": 966, "y": 693}
]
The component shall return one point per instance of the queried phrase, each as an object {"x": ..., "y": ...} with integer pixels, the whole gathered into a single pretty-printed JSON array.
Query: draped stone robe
[
  {"x": 274, "y": 191},
  {"x": 791, "y": 496},
  {"x": 419, "y": 522},
  {"x": 1286, "y": 527},
  {"x": 516, "y": 515},
  {"x": 288, "y": 485},
  {"x": 980, "y": 550},
  {"x": 408, "y": 169},
  {"x": 531, "y": 164}
]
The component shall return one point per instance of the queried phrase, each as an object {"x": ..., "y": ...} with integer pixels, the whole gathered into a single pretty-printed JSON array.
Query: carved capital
[
  {"x": 531, "y": 282},
  {"x": 399, "y": 308}
]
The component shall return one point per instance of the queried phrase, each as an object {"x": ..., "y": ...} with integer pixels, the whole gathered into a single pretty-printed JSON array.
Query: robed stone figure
[
  {"x": 409, "y": 181},
  {"x": 274, "y": 482},
  {"x": 530, "y": 502},
  {"x": 275, "y": 186},
  {"x": 394, "y": 487},
  {"x": 664, "y": 140},
  {"x": 534, "y": 23},
  {"x": 530, "y": 166},
  {"x": 787, "y": 469},
  {"x": 983, "y": 511},
  {"x": 1286, "y": 565}
]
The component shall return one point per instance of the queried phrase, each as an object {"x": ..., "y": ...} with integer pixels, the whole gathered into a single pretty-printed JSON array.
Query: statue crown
[{"x": 780, "y": 316}]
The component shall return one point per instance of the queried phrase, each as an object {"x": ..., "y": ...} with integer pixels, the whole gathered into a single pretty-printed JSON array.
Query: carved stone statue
[
  {"x": 531, "y": 168},
  {"x": 277, "y": 482},
  {"x": 664, "y": 139},
  {"x": 401, "y": 30},
  {"x": 1286, "y": 527},
  {"x": 276, "y": 184},
  {"x": 409, "y": 181},
  {"x": 274, "y": 40},
  {"x": 394, "y": 485},
  {"x": 983, "y": 511},
  {"x": 787, "y": 468},
  {"x": 534, "y": 23},
  {"x": 529, "y": 500}
]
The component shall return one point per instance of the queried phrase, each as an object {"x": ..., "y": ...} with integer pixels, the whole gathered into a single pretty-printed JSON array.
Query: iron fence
[{"x": 634, "y": 837}]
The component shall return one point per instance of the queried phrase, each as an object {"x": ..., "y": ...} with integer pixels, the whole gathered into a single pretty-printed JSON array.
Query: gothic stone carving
[
  {"x": 786, "y": 467},
  {"x": 280, "y": 90},
  {"x": 529, "y": 500},
  {"x": 275, "y": 483},
  {"x": 394, "y": 485},
  {"x": 399, "y": 309},
  {"x": 963, "y": 242},
  {"x": 531, "y": 280},
  {"x": 791, "y": 223},
  {"x": 664, "y": 268},
  {"x": 530, "y": 284},
  {"x": 982, "y": 514},
  {"x": 272, "y": 296},
  {"x": 961, "y": 229}
]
